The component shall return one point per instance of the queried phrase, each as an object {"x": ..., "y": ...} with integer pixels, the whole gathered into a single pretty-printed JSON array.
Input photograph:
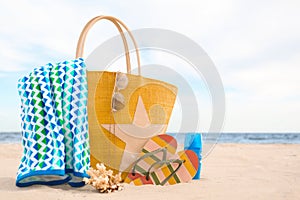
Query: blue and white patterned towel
[{"x": 54, "y": 125}]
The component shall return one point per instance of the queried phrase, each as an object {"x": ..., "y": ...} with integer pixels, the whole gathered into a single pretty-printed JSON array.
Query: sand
[{"x": 231, "y": 171}]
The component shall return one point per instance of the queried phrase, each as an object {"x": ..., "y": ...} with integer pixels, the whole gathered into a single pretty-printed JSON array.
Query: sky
[{"x": 255, "y": 46}]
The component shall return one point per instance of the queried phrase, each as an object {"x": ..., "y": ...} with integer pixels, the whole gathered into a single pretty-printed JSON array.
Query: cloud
[
  {"x": 259, "y": 32},
  {"x": 254, "y": 44},
  {"x": 10, "y": 120},
  {"x": 2, "y": 75},
  {"x": 262, "y": 116},
  {"x": 39, "y": 32},
  {"x": 277, "y": 79}
]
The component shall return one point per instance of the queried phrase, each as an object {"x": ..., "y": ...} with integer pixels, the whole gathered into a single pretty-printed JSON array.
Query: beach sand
[{"x": 231, "y": 171}]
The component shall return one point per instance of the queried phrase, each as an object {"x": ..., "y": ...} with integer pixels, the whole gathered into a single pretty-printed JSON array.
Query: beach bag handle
[{"x": 117, "y": 23}]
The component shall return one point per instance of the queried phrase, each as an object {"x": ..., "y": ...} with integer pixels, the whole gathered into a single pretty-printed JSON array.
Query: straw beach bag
[{"x": 124, "y": 110}]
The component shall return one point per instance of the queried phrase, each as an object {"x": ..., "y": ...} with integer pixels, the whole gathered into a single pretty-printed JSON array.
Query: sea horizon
[{"x": 223, "y": 137}]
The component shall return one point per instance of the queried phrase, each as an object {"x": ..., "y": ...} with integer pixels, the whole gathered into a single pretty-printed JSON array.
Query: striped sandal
[
  {"x": 173, "y": 171},
  {"x": 158, "y": 148}
]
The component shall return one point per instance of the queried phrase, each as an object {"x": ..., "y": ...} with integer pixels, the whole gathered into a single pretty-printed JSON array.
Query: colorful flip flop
[
  {"x": 177, "y": 170},
  {"x": 158, "y": 148}
]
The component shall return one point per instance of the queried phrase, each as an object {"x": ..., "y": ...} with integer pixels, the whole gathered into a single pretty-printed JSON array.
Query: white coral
[{"x": 103, "y": 180}]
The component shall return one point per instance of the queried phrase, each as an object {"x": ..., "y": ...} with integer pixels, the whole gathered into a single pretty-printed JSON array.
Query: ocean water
[
  {"x": 10, "y": 137},
  {"x": 260, "y": 138},
  {"x": 241, "y": 138}
]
